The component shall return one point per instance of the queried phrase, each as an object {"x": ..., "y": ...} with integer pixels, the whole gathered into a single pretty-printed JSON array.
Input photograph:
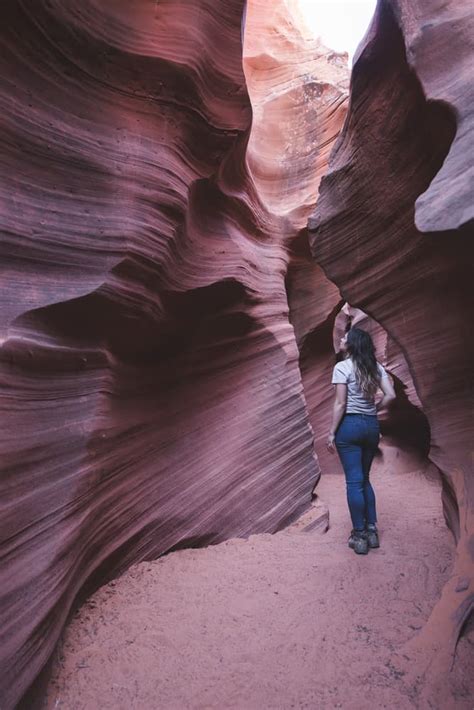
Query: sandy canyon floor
[{"x": 291, "y": 620}]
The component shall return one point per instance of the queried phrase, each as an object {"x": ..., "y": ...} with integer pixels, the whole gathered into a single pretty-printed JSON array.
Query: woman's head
[{"x": 358, "y": 344}]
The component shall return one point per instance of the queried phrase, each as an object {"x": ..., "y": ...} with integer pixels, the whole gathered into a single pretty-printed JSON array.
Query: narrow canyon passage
[
  {"x": 290, "y": 620},
  {"x": 199, "y": 199}
]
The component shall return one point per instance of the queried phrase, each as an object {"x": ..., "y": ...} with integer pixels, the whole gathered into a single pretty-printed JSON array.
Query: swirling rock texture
[
  {"x": 391, "y": 229},
  {"x": 150, "y": 381},
  {"x": 299, "y": 94},
  {"x": 298, "y": 89}
]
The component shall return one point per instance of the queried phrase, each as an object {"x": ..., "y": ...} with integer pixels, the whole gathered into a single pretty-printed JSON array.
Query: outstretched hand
[{"x": 330, "y": 444}]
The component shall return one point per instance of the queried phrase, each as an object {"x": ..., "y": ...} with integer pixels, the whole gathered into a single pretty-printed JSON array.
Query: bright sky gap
[{"x": 340, "y": 24}]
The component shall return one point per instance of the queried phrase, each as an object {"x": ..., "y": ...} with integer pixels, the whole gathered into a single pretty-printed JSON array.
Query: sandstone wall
[
  {"x": 299, "y": 94},
  {"x": 151, "y": 395},
  {"x": 392, "y": 229}
]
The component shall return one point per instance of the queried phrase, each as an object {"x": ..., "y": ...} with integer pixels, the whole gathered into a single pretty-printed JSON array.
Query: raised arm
[
  {"x": 338, "y": 412},
  {"x": 388, "y": 393}
]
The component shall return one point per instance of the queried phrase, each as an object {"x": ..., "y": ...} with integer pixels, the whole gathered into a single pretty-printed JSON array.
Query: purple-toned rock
[{"x": 151, "y": 394}]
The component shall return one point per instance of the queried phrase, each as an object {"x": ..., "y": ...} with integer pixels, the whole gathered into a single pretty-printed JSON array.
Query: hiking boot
[
  {"x": 372, "y": 536},
  {"x": 358, "y": 542}
]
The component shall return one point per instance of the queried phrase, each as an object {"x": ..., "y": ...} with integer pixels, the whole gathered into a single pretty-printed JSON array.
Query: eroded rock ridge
[{"x": 151, "y": 394}]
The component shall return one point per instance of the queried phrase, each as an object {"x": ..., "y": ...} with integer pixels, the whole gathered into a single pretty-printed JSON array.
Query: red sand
[{"x": 292, "y": 620}]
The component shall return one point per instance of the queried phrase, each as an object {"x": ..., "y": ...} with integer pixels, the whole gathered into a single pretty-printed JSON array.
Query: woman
[{"x": 355, "y": 430}]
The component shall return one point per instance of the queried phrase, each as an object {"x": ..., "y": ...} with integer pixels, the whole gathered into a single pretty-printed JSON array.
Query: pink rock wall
[
  {"x": 151, "y": 395},
  {"x": 299, "y": 94},
  {"x": 298, "y": 89},
  {"x": 392, "y": 229}
]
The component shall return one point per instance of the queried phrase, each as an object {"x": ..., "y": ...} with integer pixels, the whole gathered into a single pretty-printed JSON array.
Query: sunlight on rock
[{"x": 341, "y": 24}]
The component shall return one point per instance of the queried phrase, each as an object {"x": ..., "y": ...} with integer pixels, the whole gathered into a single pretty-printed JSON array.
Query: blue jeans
[{"x": 356, "y": 441}]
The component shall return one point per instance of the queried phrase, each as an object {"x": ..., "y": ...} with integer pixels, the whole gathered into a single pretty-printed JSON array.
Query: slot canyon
[{"x": 198, "y": 200}]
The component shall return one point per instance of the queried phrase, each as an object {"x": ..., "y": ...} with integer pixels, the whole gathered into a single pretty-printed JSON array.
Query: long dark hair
[{"x": 362, "y": 352}]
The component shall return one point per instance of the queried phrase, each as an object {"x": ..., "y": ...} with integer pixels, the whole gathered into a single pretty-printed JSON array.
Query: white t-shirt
[{"x": 357, "y": 403}]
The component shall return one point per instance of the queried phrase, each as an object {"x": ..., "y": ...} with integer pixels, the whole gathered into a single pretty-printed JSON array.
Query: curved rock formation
[
  {"x": 299, "y": 92},
  {"x": 391, "y": 230},
  {"x": 149, "y": 372},
  {"x": 298, "y": 89}
]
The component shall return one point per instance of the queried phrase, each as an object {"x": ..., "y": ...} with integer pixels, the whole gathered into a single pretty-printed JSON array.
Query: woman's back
[{"x": 357, "y": 401}]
